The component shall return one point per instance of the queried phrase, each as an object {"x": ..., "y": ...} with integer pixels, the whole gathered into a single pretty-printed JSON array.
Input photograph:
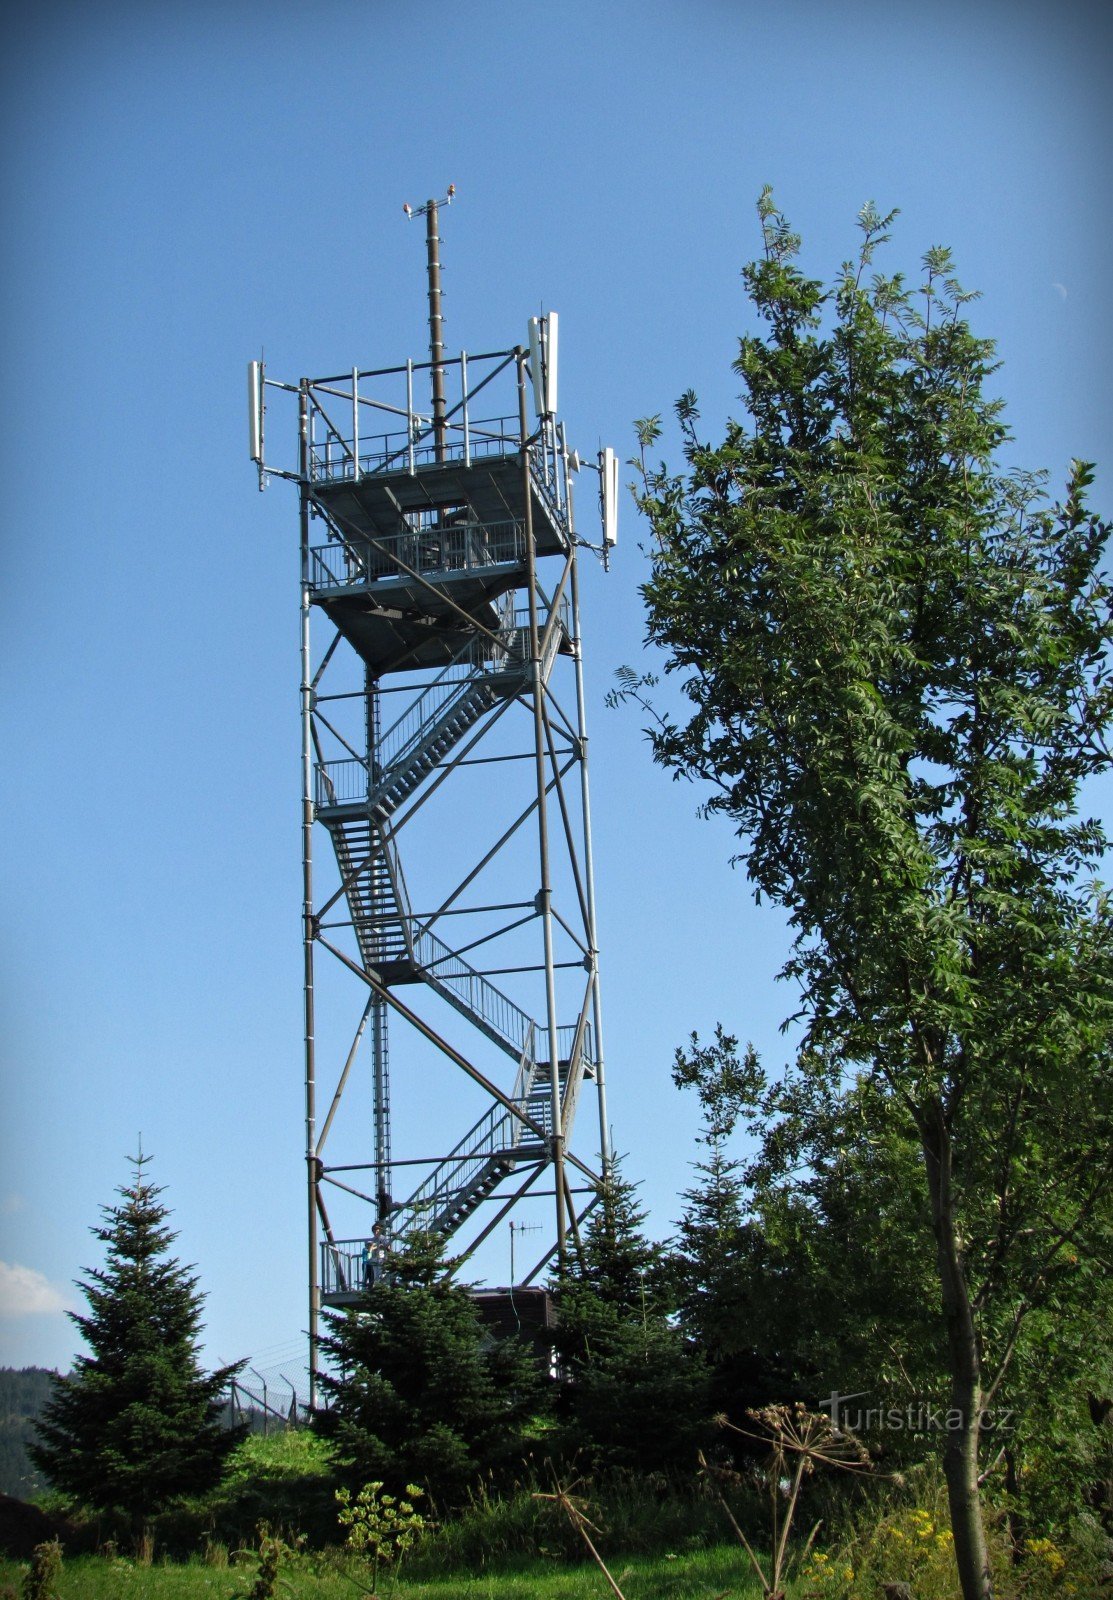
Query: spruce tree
[
  {"x": 719, "y": 1275},
  {"x": 137, "y": 1423},
  {"x": 419, "y": 1392},
  {"x": 709, "y": 1267},
  {"x": 635, "y": 1391}
]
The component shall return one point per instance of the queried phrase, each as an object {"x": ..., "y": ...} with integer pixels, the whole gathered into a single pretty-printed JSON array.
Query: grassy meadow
[{"x": 660, "y": 1541}]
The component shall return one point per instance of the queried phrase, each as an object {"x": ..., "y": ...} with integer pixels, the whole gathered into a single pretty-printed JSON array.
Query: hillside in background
[{"x": 23, "y": 1393}]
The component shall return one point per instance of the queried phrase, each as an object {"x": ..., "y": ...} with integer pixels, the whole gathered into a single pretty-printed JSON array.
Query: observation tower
[{"x": 454, "y": 1070}]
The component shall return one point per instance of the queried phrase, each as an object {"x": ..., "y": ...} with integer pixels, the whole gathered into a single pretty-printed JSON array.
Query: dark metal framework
[{"x": 450, "y": 668}]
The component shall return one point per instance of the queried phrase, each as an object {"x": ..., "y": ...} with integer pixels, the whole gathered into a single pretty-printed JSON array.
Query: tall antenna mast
[{"x": 436, "y": 326}]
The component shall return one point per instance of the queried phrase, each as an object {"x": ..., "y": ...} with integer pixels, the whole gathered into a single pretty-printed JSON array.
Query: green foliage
[
  {"x": 727, "y": 1287},
  {"x": 906, "y": 1540},
  {"x": 637, "y": 1513},
  {"x": 895, "y": 658},
  {"x": 44, "y": 1572},
  {"x": 136, "y": 1425},
  {"x": 284, "y": 1479},
  {"x": 419, "y": 1392},
  {"x": 635, "y": 1393},
  {"x": 270, "y": 1556},
  {"x": 381, "y": 1526}
]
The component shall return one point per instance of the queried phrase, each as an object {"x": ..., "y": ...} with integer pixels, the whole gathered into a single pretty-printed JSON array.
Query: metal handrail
[
  {"x": 440, "y": 709},
  {"x": 460, "y": 983},
  {"x": 452, "y": 1177},
  {"x": 546, "y": 489},
  {"x": 475, "y": 653},
  {"x": 333, "y": 459},
  {"x": 345, "y": 782},
  {"x": 481, "y": 1144},
  {"x": 452, "y": 547}
]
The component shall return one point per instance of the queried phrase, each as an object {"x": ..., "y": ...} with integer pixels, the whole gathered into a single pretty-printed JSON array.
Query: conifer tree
[
  {"x": 419, "y": 1392},
  {"x": 635, "y": 1391},
  {"x": 709, "y": 1266},
  {"x": 136, "y": 1424}
]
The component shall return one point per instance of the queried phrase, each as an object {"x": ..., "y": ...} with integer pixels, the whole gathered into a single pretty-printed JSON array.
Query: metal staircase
[
  {"x": 482, "y": 1158},
  {"x": 402, "y": 951},
  {"x": 356, "y": 805},
  {"x": 424, "y": 736},
  {"x": 486, "y": 1153}
]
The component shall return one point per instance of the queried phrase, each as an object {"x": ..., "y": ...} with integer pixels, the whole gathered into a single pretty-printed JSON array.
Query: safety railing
[
  {"x": 340, "y": 783},
  {"x": 566, "y": 1038},
  {"x": 450, "y": 547},
  {"x": 333, "y": 458},
  {"x": 346, "y": 1266},
  {"x": 459, "y": 983},
  {"x": 462, "y": 701},
  {"x": 454, "y": 1179},
  {"x": 547, "y": 487},
  {"x": 466, "y": 697},
  {"x": 497, "y": 1133},
  {"x": 460, "y": 690}
]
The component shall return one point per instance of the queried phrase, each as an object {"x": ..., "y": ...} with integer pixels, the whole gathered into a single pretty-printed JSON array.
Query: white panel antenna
[
  {"x": 608, "y": 496},
  {"x": 543, "y": 363},
  {"x": 255, "y": 409},
  {"x": 551, "y": 329}
]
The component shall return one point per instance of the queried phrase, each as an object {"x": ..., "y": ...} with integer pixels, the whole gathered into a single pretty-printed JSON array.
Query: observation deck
[{"x": 426, "y": 533}]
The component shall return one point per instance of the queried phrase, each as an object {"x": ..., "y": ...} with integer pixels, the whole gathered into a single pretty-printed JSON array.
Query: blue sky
[{"x": 185, "y": 184}]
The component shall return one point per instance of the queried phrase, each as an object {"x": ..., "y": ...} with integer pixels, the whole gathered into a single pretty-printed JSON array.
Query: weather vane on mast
[{"x": 436, "y": 329}]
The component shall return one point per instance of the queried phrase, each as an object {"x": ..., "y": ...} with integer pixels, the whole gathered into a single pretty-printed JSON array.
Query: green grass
[
  {"x": 658, "y": 1539},
  {"x": 697, "y": 1575}
]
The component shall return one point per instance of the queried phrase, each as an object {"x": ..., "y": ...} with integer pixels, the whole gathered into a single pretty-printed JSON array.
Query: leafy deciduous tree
[{"x": 896, "y": 662}]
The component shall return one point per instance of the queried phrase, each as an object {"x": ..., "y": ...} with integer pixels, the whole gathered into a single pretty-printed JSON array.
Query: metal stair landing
[{"x": 429, "y": 730}]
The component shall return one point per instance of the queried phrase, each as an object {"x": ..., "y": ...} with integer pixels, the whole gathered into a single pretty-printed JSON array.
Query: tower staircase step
[{"x": 433, "y": 725}]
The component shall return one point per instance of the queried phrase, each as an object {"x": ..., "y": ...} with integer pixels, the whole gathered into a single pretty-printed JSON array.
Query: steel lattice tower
[{"x": 438, "y": 548}]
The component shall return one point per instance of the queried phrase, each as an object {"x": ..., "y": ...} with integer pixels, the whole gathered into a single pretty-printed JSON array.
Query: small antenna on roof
[{"x": 436, "y": 329}]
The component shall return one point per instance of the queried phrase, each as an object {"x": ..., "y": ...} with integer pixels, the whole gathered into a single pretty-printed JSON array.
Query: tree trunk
[
  {"x": 1016, "y": 1526},
  {"x": 960, "y": 1457}
]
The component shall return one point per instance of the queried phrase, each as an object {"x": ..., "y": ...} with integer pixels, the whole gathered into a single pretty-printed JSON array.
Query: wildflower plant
[
  {"x": 911, "y": 1549},
  {"x": 799, "y": 1442},
  {"x": 45, "y": 1572},
  {"x": 272, "y": 1554},
  {"x": 381, "y": 1527}
]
